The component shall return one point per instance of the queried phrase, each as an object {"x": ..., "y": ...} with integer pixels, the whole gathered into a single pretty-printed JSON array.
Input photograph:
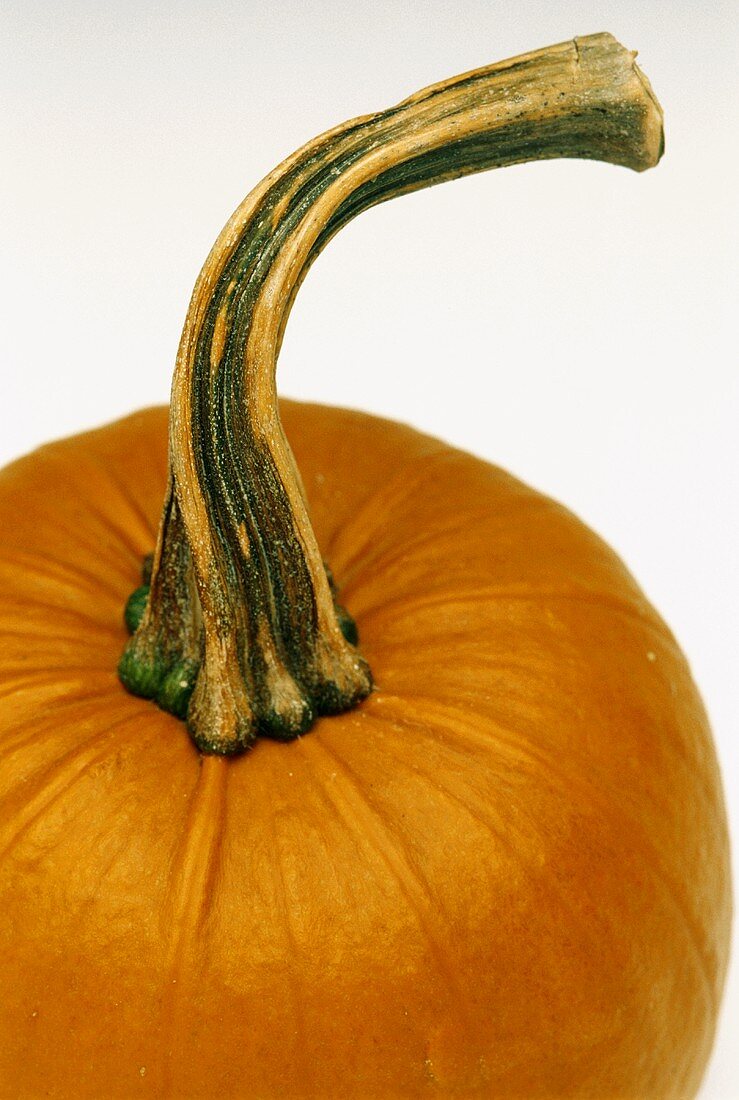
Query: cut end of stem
[{"x": 609, "y": 64}]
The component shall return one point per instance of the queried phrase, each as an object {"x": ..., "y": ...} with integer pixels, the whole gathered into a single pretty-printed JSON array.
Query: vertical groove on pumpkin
[
  {"x": 360, "y": 814},
  {"x": 293, "y": 947},
  {"x": 579, "y": 782},
  {"x": 72, "y": 579},
  {"x": 262, "y": 645},
  {"x": 191, "y": 893},
  {"x": 57, "y": 780},
  {"x": 31, "y": 729}
]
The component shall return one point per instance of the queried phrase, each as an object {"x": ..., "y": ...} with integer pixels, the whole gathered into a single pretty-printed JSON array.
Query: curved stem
[{"x": 241, "y": 632}]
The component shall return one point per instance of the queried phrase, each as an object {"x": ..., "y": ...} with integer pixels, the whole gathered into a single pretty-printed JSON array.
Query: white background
[{"x": 569, "y": 321}]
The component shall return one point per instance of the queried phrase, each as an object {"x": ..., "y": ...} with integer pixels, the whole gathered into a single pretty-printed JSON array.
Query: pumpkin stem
[{"x": 240, "y": 632}]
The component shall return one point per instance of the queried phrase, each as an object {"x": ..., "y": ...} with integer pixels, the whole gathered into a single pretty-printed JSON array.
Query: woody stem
[{"x": 240, "y": 631}]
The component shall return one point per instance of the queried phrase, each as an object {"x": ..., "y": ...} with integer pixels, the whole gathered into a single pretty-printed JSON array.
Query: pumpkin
[{"x": 478, "y": 845}]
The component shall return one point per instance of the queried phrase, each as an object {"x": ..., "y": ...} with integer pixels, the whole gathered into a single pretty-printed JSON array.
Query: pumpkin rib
[
  {"x": 434, "y": 939},
  {"x": 384, "y": 557},
  {"x": 580, "y": 777},
  {"x": 478, "y": 663},
  {"x": 108, "y": 632},
  {"x": 411, "y": 883},
  {"x": 487, "y": 666},
  {"x": 50, "y": 722},
  {"x": 29, "y": 679},
  {"x": 518, "y": 737},
  {"x": 492, "y": 595},
  {"x": 42, "y": 634},
  {"x": 92, "y": 473},
  {"x": 190, "y": 896},
  {"x": 424, "y": 542},
  {"x": 99, "y": 585},
  {"x": 129, "y": 549},
  {"x": 494, "y": 825},
  {"x": 529, "y": 747},
  {"x": 194, "y": 860},
  {"x": 52, "y": 670},
  {"x": 439, "y": 460},
  {"x": 401, "y": 484},
  {"x": 64, "y": 534},
  {"x": 291, "y": 941},
  {"x": 541, "y": 875},
  {"x": 58, "y": 785},
  {"x": 70, "y": 688},
  {"x": 381, "y": 493},
  {"x": 122, "y": 490},
  {"x": 405, "y": 553}
]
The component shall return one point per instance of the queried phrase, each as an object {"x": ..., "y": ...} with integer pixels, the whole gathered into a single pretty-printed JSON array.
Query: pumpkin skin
[{"x": 505, "y": 874}]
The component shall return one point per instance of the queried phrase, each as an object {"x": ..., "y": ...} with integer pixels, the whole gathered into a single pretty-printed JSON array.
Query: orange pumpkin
[{"x": 503, "y": 873}]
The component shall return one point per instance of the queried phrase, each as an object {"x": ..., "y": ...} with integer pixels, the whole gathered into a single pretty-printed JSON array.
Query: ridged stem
[{"x": 240, "y": 631}]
